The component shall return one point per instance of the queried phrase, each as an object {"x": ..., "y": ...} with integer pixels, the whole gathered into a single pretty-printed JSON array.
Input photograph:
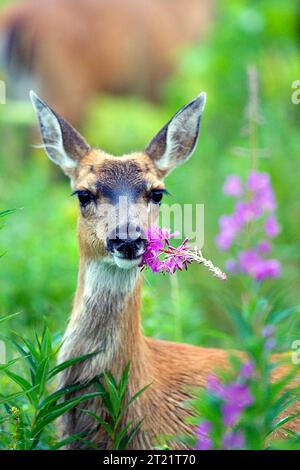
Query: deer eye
[
  {"x": 156, "y": 195},
  {"x": 85, "y": 197}
]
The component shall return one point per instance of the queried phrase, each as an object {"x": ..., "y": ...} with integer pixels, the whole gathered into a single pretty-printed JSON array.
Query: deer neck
[{"x": 105, "y": 318}]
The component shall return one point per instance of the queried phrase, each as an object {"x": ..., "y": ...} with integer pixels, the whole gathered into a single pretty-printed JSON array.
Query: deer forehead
[{"x": 101, "y": 172}]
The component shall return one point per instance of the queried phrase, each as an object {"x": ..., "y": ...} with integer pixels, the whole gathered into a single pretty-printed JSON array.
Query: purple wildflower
[
  {"x": 268, "y": 333},
  {"x": 247, "y": 370},
  {"x": 214, "y": 386},
  {"x": 271, "y": 226},
  {"x": 237, "y": 397},
  {"x": 257, "y": 209},
  {"x": 234, "y": 398},
  {"x": 232, "y": 266},
  {"x": 233, "y": 440},
  {"x": 230, "y": 226},
  {"x": 161, "y": 256},
  {"x": 204, "y": 441},
  {"x": 246, "y": 211},
  {"x": 258, "y": 182},
  {"x": 233, "y": 186},
  {"x": 157, "y": 239},
  {"x": 258, "y": 268},
  {"x": 264, "y": 246},
  {"x": 270, "y": 344}
]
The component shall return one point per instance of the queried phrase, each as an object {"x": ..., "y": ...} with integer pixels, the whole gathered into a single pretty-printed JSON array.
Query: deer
[
  {"x": 70, "y": 50},
  {"x": 106, "y": 309}
]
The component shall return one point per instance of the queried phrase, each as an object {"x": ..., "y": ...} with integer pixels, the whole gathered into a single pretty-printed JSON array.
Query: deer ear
[
  {"x": 63, "y": 144},
  {"x": 176, "y": 141}
]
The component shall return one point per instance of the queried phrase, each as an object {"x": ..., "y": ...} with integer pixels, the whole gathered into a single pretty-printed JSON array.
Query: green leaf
[
  {"x": 9, "y": 398},
  {"x": 64, "y": 365},
  {"x": 42, "y": 374},
  {"x": 46, "y": 342},
  {"x": 31, "y": 348},
  {"x": 106, "y": 400},
  {"x": 9, "y": 317},
  {"x": 280, "y": 315},
  {"x": 112, "y": 390},
  {"x": 58, "y": 410},
  {"x": 7, "y": 212},
  {"x": 240, "y": 324},
  {"x": 137, "y": 395},
  {"x": 128, "y": 438},
  {"x": 100, "y": 420},
  {"x": 285, "y": 420},
  {"x": 124, "y": 379},
  {"x": 3, "y": 367},
  {"x": 24, "y": 384},
  {"x": 28, "y": 357},
  {"x": 65, "y": 442},
  {"x": 54, "y": 397}
]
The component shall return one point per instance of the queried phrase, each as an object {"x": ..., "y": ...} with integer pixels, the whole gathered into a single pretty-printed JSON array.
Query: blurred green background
[{"x": 39, "y": 269}]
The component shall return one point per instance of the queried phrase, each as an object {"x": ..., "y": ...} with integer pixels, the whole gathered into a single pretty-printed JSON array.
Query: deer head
[{"x": 118, "y": 196}]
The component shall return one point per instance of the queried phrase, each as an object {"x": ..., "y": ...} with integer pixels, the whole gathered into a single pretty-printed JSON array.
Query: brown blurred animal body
[
  {"x": 74, "y": 48},
  {"x": 106, "y": 310}
]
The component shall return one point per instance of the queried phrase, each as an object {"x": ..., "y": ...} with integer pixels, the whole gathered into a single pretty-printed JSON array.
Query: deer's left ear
[
  {"x": 176, "y": 141},
  {"x": 63, "y": 144}
]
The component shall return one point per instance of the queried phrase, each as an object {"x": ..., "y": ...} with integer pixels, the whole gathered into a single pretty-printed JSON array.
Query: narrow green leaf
[
  {"x": 124, "y": 380},
  {"x": 285, "y": 420},
  {"x": 3, "y": 367},
  {"x": 111, "y": 388},
  {"x": 54, "y": 397},
  {"x": 7, "y": 212},
  {"x": 9, "y": 317},
  {"x": 9, "y": 398},
  {"x": 127, "y": 439},
  {"x": 64, "y": 365},
  {"x": 137, "y": 395},
  {"x": 24, "y": 384},
  {"x": 65, "y": 442},
  {"x": 100, "y": 420},
  {"x": 58, "y": 410}
]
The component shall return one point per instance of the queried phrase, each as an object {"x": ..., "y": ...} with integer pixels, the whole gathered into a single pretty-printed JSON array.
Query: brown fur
[{"x": 75, "y": 48}]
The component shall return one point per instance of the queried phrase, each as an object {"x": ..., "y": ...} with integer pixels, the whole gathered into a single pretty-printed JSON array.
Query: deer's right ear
[{"x": 63, "y": 144}]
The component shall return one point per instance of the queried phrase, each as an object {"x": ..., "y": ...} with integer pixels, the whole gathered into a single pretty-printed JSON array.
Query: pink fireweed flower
[
  {"x": 251, "y": 263},
  {"x": 215, "y": 386},
  {"x": 233, "y": 186},
  {"x": 204, "y": 441},
  {"x": 254, "y": 213},
  {"x": 237, "y": 398},
  {"x": 161, "y": 256},
  {"x": 258, "y": 182},
  {"x": 271, "y": 226},
  {"x": 233, "y": 398},
  {"x": 268, "y": 333},
  {"x": 264, "y": 246},
  {"x": 247, "y": 370},
  {"x": 233, "y": 440}
]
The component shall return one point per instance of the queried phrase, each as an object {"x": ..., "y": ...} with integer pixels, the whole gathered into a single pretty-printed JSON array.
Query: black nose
[{"x": 126, "y": 247}]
